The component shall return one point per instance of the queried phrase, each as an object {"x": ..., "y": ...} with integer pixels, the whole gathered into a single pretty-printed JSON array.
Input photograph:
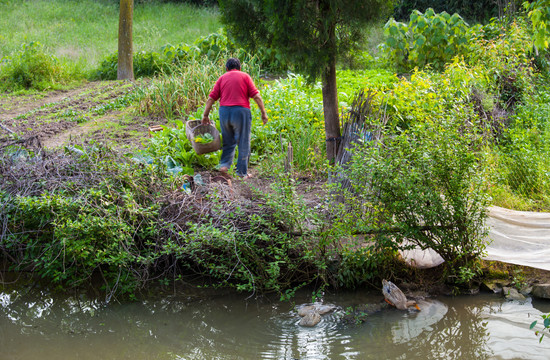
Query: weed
[{"x": 32, "y": 68}]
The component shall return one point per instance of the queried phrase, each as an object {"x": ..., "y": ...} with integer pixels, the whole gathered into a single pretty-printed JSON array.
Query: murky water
[{"x": 36, "y": 325}]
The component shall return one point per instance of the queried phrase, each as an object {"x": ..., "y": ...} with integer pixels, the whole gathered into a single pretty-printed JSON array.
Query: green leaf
[
  {"x": 391, "y": 42},
  {"x": 421, "y": 24},
  {"x": 421, "y": 40}
]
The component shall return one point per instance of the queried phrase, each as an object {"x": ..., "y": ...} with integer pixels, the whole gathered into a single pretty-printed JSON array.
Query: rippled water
[{"x": 36, "y": 325}]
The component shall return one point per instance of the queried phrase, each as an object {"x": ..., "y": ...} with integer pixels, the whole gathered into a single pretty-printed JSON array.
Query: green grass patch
[{"x": 86, "y": 31}]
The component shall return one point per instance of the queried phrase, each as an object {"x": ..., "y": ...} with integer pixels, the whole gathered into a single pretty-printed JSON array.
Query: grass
[{"x": 85, "y": 31}]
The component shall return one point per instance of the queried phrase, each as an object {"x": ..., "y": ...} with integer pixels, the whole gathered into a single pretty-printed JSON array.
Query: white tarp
[
  {"x": 515, "y": 237},
  {"x": 519, "y": 237}
]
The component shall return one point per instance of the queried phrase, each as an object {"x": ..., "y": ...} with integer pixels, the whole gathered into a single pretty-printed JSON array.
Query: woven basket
[
  {"x": 200, "y": 148},
  {"x": 189, "y": 126}
]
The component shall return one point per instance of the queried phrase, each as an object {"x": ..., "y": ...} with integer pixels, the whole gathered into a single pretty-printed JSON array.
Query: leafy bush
[
  {"x": 480, "y": 11},
  {"x": 96, "y": 215},
  {"x": 504, "y": 62},
  {"x": 264, "y": 251},
  {"x": 219, "y": 45},
  {"x": 95, "y": 221},
  {"x": 146, "y": 64},
  {"x": 425, "y": 185},
  {"x": 428, "y": 39},
  {"x": 32, "y": 68},
  {"x": 539, "y": 14},
  {"x": 213, "y": 48},
  {"x": 521, "y": 165}
]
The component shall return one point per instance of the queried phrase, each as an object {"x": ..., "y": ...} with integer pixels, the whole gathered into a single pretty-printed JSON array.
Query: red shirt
[{"x": 234, "y": 88}]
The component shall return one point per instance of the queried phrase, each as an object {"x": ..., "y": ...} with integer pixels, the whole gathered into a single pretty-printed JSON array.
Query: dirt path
[
  {"x": 95, "y": 110},
  {"x": 79, "y": 132},
  {"x": 13, "y": 107}
]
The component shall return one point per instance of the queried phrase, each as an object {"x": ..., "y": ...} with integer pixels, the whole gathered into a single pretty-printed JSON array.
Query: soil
[{"x": 88, "y": 112}]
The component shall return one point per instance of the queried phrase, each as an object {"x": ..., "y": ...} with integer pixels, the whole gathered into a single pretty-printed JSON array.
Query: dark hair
[{"x": 233, "y": 63}]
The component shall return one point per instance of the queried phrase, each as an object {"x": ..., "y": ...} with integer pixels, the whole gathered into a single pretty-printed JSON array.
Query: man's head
[{"x": 232, "y": 64}]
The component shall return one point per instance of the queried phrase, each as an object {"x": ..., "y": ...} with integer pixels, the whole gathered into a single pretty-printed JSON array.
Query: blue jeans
[{"x": 235, "y": 123}]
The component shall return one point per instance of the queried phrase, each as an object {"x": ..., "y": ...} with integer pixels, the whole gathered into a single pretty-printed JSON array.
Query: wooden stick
[{"x": 7, "y": 129}]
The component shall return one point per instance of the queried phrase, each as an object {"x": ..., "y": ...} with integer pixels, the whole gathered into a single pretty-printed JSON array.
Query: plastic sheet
[
  {"x": 519, "y": 237},
  {"x": 515, "y": 237}
]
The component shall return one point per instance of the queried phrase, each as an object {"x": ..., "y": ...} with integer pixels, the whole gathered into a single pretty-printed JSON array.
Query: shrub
[
  {"x": 424, "y": 184},
  {"x": 146, "y": 64},
  {"x": 428, "y": 39},
  {"x": 219, "y": 45},
  {"x": 539, "y": 14},
  {"x": 212, "y": 48},
  {"x": 32, "y": 68},
  {"x": 263, "y": 251},
  {"x": 504, "y": 61},
  {"x": 481, "y": 11},
  {"x": 521, "y": 166},
  {"x": 92, "y": 217}
]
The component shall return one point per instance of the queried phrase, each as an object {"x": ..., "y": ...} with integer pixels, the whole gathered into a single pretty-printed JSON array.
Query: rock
[
  {"x": 541, "y": 291},
  {"x": 512, "y": 294},
  {"x": 526, "y": 290},
  {"x": 494, "y": 286},
  {"x": 311, "y": 319},
  {"x": 472, "y": 291}
]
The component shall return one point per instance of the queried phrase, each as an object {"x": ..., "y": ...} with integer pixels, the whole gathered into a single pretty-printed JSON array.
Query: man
[{"x": 234, "y": 89}]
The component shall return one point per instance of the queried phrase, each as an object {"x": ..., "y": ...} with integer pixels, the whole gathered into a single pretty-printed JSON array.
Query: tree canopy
[{"x": 311, "y": 34}]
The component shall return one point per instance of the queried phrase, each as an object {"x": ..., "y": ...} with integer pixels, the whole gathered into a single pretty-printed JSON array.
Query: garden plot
[{"x": 96, "y": 110}]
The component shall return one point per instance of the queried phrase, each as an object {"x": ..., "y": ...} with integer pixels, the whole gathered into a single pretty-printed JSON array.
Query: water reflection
[{"x": 36, "y": 324}]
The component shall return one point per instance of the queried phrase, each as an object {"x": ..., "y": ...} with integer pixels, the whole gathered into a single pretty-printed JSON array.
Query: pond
[{"x": 207, "y": 324}]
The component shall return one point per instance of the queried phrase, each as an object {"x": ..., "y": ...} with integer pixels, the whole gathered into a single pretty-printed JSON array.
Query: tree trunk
[
  {"x": 330, "y": 110},
  {"x": 330, "y": 92},
  {"x": 125, "y": 44}
]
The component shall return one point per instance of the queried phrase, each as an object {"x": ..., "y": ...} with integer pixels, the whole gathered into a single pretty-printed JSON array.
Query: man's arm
[
  {"x": 207, "y": 108},
  {"x": 258, "y": 99}
]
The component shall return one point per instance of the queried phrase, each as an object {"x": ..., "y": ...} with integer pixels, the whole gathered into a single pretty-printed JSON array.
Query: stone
[
  {"x": 311, "y": 319},
  {"x": 494, "y": 286},
  {"x": 526, "y": 290},
  {"x": 473, "y": 291},
  {"x": 541, "y": 291},
  {"x": 512, "y": 294}
]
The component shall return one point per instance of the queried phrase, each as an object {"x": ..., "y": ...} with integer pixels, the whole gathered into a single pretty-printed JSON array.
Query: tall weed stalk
[{"x": 179, "y": 90}]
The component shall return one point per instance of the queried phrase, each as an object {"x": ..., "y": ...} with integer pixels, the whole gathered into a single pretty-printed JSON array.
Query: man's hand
[
  {"x": 258, "y": 99},
  {"x": 207, "y": 108}
]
